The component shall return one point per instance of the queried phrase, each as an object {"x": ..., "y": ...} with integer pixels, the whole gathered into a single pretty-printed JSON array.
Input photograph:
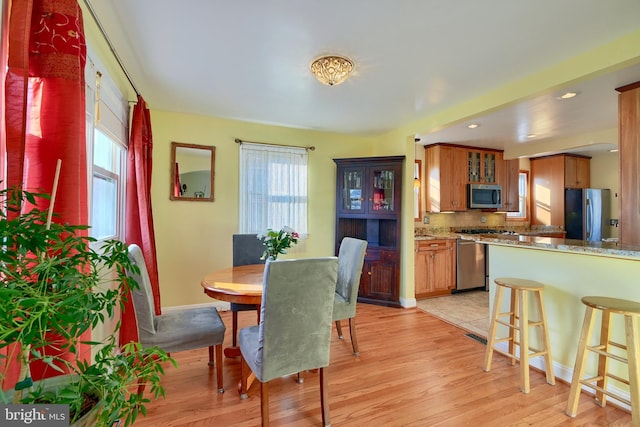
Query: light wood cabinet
[
  {"x": 484, "y": 166},
  {"x": 548, "y": 181},
  {"x": 510, "y": 185},
  {"x": 577, "y": 171},
  {"x": 445, "y": 178},
  {"x": 368, "y": 202},
  {"x": 435, "y": 272},
  {"x": 629, "y": 145}
]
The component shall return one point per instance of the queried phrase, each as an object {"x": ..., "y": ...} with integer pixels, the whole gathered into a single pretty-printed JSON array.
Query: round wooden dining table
[{"x": 242, "y": 285}]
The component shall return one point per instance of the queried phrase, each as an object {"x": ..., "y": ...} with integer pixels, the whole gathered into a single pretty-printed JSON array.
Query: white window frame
[
  {"x": 523, "y": 198},
  {"x": 261, "y": 161},
  {"x": 107, "y": 110}
]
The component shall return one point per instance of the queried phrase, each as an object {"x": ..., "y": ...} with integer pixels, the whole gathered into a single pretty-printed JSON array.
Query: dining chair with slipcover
[
  {"x": 294, "y": 332},
  {"x": 175, "y": 330},
  {"x": 350, "y": 261},
  {"x": 247, "y": 250}
]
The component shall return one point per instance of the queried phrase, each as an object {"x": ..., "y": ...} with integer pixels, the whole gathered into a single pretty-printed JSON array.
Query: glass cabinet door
[
  {"x": 489, "y": 167},
  {"x": 382, "y": 195},
  {"x": 474, "y": 166},
  {"x": 352, "y": 191}
]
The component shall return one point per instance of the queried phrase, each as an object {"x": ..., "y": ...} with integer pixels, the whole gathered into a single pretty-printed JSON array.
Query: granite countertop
[
  {"x": 532, "y": 239},
  {"x": 609, "y": 249}
]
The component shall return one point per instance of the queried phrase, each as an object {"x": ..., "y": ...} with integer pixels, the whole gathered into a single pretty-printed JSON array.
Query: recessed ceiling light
[
  {"x": 568, "y": 95},
  {"x": 473, "y": 125},
  {"x": 531, "y": 135}
]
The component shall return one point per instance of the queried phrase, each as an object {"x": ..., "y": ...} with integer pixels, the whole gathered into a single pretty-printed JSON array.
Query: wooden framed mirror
[{"x": 192, "y": 172}]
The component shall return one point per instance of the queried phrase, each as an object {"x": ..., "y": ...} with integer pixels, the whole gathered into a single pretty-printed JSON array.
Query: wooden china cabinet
[{"x": 368, "y": 200}]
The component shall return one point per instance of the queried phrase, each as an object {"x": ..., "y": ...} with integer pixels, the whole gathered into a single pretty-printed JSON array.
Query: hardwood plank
[{"x": 414, "y": 370}]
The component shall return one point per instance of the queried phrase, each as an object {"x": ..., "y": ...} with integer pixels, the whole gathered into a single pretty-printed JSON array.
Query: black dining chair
[{"x": 247, "y": 250}]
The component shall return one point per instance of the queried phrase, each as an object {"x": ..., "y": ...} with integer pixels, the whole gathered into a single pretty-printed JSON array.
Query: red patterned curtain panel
[
  {"x": 44, "y": 108},
  {"x": 139, "y": 217}
]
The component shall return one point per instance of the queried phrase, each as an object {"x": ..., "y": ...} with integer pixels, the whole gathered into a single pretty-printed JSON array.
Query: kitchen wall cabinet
[
  {"x": 577, "y": 172},
  {"x": 368, "y": 202},
  {"x": 629, "y": 145},
  {"x": 510, "y": 185},
  {"x": 548, "y": 180},
  {"x": 445, "y": 178},
  {"x": 435, "y": 267},
  {"x": 484, "y": 166}
]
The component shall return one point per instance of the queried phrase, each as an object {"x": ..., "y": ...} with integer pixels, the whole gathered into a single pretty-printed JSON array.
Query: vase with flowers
[{"x": 277, "y": 242}]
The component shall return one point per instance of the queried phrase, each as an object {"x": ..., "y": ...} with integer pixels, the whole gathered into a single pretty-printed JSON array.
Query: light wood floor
[{"x": 414, "y": 370}]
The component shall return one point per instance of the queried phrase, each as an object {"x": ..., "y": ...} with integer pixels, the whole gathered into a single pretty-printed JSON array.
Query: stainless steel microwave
[{"x": 484, "y": 196}]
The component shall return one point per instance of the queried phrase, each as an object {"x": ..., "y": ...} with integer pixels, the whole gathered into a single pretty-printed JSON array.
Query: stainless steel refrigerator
[{"x": 587, "y": 213}]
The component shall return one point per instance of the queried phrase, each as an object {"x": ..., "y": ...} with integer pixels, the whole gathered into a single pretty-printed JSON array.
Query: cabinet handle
[
  {"x": 434, "y": 245},
  {"x": 369, "y": 273}
]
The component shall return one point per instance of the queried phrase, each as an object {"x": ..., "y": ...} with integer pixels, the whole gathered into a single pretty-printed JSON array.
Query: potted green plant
[{"x": 55, "y": 286}]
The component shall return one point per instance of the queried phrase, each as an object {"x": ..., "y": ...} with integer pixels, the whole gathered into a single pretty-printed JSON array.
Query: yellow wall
[{"x": 194, "y": 238}]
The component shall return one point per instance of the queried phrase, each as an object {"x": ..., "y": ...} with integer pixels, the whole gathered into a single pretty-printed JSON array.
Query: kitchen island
[{"x": 570, "y": 269}]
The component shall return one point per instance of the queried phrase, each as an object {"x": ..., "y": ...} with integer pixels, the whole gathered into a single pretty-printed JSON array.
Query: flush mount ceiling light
[
  {"x": 332, "y": 70},
  {"x": 473, "y": 125},
  {"x": 568, "y": 95}
]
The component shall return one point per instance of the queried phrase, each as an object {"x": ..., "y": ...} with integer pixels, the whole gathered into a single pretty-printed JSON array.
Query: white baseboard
[
  {"x": 408, "y": 302},
  {"x": 566, "y": 374}
]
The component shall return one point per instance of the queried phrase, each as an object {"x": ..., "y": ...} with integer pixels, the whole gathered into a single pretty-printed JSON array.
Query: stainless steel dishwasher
[{"x": 470, "y": 265}]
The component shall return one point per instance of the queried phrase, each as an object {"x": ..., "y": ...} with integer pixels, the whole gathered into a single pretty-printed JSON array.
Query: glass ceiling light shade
[{"x": 332, "y": 70}]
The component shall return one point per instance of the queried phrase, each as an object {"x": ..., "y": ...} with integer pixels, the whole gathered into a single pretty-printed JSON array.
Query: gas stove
[{"x": 486, "y": 231}]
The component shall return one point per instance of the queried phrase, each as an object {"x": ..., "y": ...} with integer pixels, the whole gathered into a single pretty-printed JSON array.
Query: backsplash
[{"x": 445, "y": 222}]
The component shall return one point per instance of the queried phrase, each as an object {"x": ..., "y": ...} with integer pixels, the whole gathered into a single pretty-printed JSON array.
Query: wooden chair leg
[
  {"x": 491, "y": 338},
  {"x": 339, "y": 329},
  {"x": 513, "y": 318},
  {"x": 581, "y": 357},
  {"x": 633, "y": 350},
  {"x": 523, "y": 326},
  {"x": 354, "y": 339},
  {"x": 264, "y": 403},
  {"x": 603, "y": 361},
  {"x": 324, "y": 397},
  {"x": 234, "y": 328},
  {"x": 211, "y": 362},
  {"x": 548, "y": 359},
  {"x": 219, "y": 368}
]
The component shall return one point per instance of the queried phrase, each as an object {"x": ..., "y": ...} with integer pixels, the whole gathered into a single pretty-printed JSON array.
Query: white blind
[{"x": 273, "y": 188}]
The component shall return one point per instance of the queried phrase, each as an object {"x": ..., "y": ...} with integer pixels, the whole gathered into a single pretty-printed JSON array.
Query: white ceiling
[{"x": 249, "y": 60}]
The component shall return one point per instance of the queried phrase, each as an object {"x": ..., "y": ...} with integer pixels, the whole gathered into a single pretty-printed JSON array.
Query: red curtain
[
  {"x": 139, "y": 217},
  {"x": 45, "y": 108}
]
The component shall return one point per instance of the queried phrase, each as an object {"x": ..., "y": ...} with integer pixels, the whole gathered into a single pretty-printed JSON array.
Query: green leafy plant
[
  {"x": 55, "y": 287},
  {"x": 277, "y": 242}
]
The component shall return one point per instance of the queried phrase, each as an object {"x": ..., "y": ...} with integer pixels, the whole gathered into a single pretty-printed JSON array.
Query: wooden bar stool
[
  {"x": 518, "y": 324},
  {"x": 630, "y": 310}
]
